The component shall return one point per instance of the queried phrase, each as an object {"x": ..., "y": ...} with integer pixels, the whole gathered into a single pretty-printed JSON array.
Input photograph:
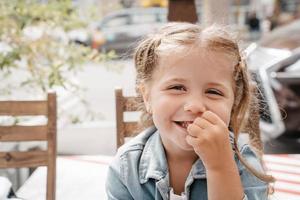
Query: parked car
[
  {"x": 283, "y": 37},
  {"x": 120, "y": 31}
]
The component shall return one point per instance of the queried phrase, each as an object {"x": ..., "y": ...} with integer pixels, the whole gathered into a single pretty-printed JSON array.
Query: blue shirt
[{"x": 140, "y": 171}]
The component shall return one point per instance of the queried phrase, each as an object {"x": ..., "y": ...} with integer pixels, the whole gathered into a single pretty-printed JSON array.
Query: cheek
[
  {"x": 163, "y": 103},
  {"x": 227, "y": 115},
  {"x": 227, "y": 109},
  {"x": 164, "y": 108},
  {"x": 223, "y": 110}
]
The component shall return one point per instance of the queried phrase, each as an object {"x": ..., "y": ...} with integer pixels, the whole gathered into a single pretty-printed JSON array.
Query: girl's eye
[
  {"x": 178, "y": 87},
  {"x": 215, "y": 92}
]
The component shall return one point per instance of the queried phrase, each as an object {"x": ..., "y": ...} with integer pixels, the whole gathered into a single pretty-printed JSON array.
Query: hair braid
[
  {"x": 145, "y": 61},
  {"x": 243, "y": 93}
]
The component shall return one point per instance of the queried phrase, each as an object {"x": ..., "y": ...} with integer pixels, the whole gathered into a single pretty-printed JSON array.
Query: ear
[{"x": 146, "y": 97}]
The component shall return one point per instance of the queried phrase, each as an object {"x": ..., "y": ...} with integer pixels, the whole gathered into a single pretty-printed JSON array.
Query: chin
[{"x": 186, "y": 147}]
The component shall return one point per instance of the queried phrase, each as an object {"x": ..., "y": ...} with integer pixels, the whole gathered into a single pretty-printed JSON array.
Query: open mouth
[{"x": 183, "y": 124}]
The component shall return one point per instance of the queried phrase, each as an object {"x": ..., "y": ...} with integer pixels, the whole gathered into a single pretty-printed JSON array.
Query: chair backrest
[
  {"x": 125, "y": 128},
  {"x": 20, "y": 133}
]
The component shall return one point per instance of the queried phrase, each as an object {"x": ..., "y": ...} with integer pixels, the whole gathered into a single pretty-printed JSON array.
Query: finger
[
  {"x": 212, "y": 117},
  {"x": 194, "y": 142},
  {"x": 194, "y": 130},
  {"x": 202, "y": 122}
]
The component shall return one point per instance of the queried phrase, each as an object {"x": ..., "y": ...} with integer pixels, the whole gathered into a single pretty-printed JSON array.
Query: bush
[{"x": 36, "y": 54}]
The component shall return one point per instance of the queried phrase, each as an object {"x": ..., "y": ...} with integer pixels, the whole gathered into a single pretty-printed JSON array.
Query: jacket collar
[{"x": 153, "y": 162}]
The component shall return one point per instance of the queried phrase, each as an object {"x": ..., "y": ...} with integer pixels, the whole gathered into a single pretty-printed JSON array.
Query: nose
[{"x": 195, "y": 105}]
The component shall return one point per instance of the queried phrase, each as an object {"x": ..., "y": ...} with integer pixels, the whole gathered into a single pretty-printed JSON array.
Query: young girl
[{"x": 195, "y": 89}]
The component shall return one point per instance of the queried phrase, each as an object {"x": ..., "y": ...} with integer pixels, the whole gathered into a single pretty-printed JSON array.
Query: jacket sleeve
[
  {"x": 254, "y": 188},
  {"x": 115, "y": 187}
]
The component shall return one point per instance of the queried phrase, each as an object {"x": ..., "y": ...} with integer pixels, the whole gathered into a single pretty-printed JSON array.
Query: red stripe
[
  {"x": 287, "y": 181},
  {"x": 278, "y": 155},
  {"x": 89, "y": 161},
  {"x": 287, "y": 191},
  {"x": 283, "y": 164},
  {"x": 282, "y": 171}
]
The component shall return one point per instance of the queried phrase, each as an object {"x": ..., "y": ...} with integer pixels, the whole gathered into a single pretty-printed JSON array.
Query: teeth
[{"x": 185, "y": 124}]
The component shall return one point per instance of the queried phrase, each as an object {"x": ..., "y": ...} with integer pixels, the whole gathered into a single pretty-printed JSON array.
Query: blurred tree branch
[{"x": 36, "y": 52}]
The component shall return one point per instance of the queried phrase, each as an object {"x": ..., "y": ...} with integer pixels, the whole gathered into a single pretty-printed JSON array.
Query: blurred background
[{"x": 83, "y": 50}]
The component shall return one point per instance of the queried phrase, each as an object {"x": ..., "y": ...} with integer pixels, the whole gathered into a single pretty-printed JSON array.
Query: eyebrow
[
  {"x": 176, "y": 80},
  {"x": 215, "y": 83}
]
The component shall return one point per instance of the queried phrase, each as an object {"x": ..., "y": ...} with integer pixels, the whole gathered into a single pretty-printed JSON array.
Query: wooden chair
[
  {"x": 20, "y": 133},
  {"x": 125, "y": 128}
]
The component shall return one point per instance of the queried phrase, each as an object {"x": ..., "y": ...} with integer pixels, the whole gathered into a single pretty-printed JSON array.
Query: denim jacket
[{"x": 139, "y": 171}]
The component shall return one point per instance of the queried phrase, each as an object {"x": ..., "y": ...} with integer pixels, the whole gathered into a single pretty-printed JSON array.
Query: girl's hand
[{"x": 209, "y": 136}]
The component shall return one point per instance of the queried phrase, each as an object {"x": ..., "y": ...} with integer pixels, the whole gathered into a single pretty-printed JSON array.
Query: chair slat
[
  {"x": 119, "y": 117},
  {"x": 23, "y": 133},
  {"x": 14, "y": 108},
  {"x": 130, "y": 104},
  {"x": 131, "y": 128},
  {"x": 125, "y": 104},
  {"x": 52, "y": 146},
  {"x": 23, "y": 159}
]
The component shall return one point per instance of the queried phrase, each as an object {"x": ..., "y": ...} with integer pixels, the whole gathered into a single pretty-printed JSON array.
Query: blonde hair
[{"x": 180, "y": 36}]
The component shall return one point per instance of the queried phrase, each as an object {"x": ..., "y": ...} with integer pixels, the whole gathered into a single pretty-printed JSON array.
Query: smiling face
[{"x": 183, "y": 87}]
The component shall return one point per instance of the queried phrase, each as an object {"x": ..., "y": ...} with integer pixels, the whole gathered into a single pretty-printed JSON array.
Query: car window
[
  {"x": 144, "y": 18},
  {"x": 283, "y": 37},
  {"x": 116, "y": 21},
  {"x": 162, "y": 17}
]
